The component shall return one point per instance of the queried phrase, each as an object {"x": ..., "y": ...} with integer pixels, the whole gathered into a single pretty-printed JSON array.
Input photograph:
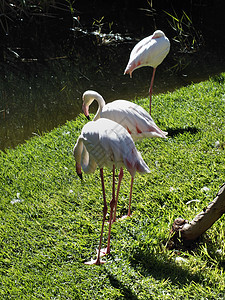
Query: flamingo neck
[
  {"x": 77, "y": 150},
  {"x": 83, "y": 158},
  {"x": 101, "y": 104}
]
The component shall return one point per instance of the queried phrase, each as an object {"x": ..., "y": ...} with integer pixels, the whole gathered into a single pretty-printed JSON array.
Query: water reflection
[{"x": 38, "y": 96}]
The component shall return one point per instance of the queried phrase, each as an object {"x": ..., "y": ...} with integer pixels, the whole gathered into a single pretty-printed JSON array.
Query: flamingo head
[
  {"x": 157, "y": 34},
  {"x": 88, "y": 98},
  {"x": 85, "y": 109}
]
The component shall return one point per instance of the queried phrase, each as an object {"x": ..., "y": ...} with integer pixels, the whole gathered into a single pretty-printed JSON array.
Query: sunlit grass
[{"x": 50, "y": 220}]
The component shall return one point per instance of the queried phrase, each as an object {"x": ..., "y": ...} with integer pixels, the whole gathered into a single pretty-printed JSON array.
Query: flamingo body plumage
[{"x": 131, "y": 116}]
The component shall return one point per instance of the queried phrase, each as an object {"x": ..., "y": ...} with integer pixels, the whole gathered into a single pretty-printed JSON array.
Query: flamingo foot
[
  {"x": 98, "y": 261},
  {"x": 103, "y": 252},
  {"x": 95, "y": 262},
  {"x": 113, "y": 221},
  {"x": 124, "y": 217}
]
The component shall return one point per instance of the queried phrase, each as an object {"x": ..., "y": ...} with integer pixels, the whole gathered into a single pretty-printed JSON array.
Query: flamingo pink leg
[
  {"x": 112, "y": 205},
  {"x": 129, "y": 209},
  {"x": 98, "y": 261},
  {"x": 117, "y": 193},
  {"x": 150, "y": 89},
  {"x": 131, "y": 187}
]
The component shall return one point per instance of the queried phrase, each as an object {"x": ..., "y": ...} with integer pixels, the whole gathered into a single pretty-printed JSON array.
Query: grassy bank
[{"x": 50, "y": 220}]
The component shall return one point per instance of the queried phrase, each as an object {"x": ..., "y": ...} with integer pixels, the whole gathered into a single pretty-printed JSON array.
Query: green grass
[{"x": 54, "y": 224}]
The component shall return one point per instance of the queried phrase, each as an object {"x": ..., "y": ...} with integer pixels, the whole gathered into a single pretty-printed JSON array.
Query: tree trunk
[{"x": 203, "y": 221}]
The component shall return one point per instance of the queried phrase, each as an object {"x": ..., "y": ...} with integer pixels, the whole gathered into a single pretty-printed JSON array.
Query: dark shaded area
[
  {"x": 126, "y": 291},
  {"x": 175, "y": 243},
  {"x": 175, "y": 131},
  {"x": 160, "y": 268},
  {"x": 45, "y": 29}
]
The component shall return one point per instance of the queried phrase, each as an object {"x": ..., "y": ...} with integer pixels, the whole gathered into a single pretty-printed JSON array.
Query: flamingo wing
[
  {"x": 121, "y": 149},
  {"x": 133, "y": 118}
]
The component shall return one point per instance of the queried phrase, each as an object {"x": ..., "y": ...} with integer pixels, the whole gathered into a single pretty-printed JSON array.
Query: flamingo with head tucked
[
  {"x": 150, "y": 51},
  {"x": 106, "y": 143}
]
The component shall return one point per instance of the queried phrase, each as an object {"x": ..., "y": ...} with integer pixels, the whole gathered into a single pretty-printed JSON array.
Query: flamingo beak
[
  {"x": 81, "y": 176},
  {"x": 78, "y": 170},
  {"x": 85, "y": 110}
]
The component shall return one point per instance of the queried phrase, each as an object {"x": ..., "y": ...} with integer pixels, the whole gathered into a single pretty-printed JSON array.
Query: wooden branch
[{"x": 203, "y": 221}]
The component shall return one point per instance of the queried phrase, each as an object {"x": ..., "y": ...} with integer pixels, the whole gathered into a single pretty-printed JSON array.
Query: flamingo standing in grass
[
  {"x": 107, "y": 143},
  {"x": 150, "y": 51},
  {"x": 130, "y": 115}
]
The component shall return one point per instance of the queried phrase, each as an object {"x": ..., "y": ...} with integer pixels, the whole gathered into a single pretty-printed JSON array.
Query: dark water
[{"x": 35, "y": 97}]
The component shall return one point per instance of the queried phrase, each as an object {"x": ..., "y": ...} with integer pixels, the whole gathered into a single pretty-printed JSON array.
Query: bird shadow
[
  {"x": 150, "y": 265},
  {"x": 116, "y": 283},
  {"x": 175, "y": 131},
  {"x": 160, "y": 268}
]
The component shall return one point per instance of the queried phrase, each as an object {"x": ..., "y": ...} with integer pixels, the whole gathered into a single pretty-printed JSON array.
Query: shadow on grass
[
  {"x": 126, "y": 291},
  {"x": 175, "y": 131},
  {"x": 161, "y": 268}
]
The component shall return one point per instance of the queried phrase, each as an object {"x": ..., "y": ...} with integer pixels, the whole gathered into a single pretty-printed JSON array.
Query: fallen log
[{"x": 190, "y": 231}]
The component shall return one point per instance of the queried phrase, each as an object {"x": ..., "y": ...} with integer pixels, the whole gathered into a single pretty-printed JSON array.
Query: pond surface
[{"x": 38, "y": 96}]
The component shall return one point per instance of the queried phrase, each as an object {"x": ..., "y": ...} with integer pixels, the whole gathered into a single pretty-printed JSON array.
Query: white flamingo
[
  {"x": 150, "y": 51},
  {"x": 130, "y": 115},
  {"x": 106, "y": 143}
]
